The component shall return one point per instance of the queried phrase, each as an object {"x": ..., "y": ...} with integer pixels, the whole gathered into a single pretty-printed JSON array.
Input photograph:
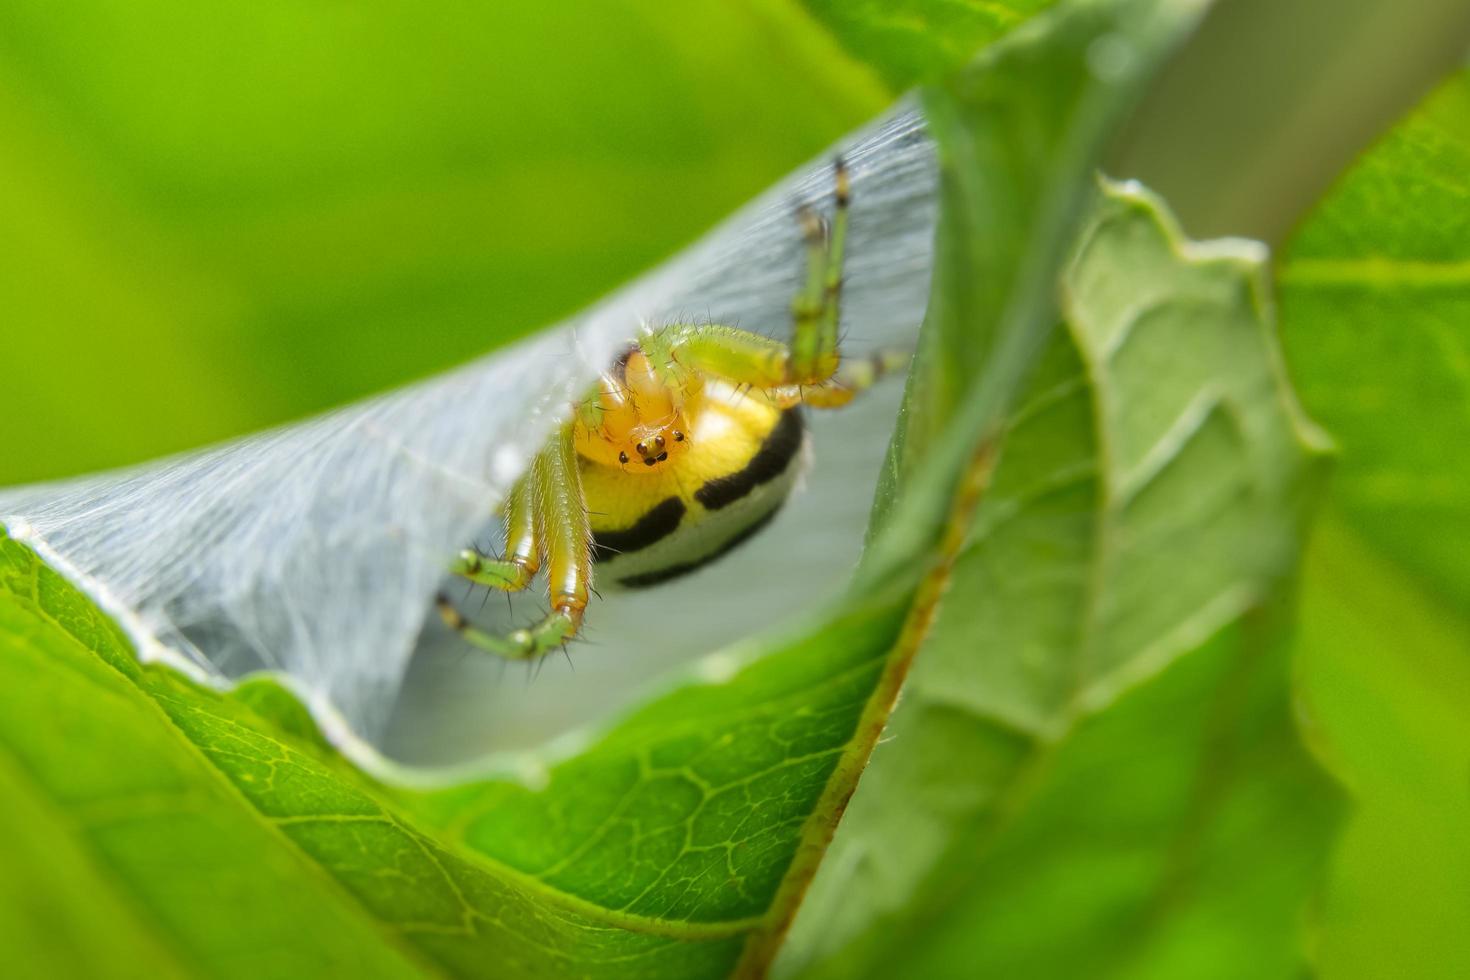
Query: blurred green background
[{"x": 213, "y": 219}]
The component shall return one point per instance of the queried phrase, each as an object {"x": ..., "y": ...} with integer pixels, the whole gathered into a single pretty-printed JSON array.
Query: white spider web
[{"x": 313, "y": 550}]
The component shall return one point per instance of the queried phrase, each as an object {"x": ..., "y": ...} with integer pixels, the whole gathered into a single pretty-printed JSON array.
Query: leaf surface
[
  {"x": 229, "y": 836},
  {"x": 1094, "y": 770},
  {"x": 1375, "y": 295},
  {"x": 911, "y": 41}
]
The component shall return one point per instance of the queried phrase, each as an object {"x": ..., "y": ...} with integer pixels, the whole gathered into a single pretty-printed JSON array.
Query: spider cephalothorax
[
  {"x": 688, "y": 445},
  {"x": 637, "y": 417}
]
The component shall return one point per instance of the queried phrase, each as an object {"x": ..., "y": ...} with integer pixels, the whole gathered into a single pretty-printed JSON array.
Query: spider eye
[
  {"x": 658, "y": 441},
  {"x": 642, "y": 449},
  {"x": 622, "y": 457},
  {"x": 678, "y": 436}
]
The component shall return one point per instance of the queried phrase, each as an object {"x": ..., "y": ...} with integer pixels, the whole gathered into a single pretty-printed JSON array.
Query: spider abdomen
[{"x": 743, "y": 459}]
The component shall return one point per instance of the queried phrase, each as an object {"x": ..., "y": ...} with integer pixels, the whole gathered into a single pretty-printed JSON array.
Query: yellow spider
[{"x": 688, "y": 445}]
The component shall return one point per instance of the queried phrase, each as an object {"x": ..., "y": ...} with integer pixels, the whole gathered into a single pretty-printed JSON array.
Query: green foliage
[
  {"x": 1079, "y": 754},
  {"x": 1377, "y": 286},
  {"x": 1096, "y": 770},
  {"x": 677, "y": 843},
  {"x": 133, "y": 850},
  {"x": 216, "y": 840},
  {"x": 1375, "y": 294},
  {"x": 910, "y": 41}
]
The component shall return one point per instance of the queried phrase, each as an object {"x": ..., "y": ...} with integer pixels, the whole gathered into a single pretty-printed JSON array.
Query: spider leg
[
  {"x": 812, "y": 357},
  {"x": 738, "y": 356},
  {"x": 817, "y": 311},
  {"x": 852, "y": 379},
  {"x": 806, "y": 307},
  {"x": 546, "y": 518},
  {"x": 522, "y": 558}
]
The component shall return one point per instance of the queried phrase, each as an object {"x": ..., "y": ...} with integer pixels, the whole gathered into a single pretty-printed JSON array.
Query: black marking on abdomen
[
  {"x": 769, "y": 462},
  {"x": 655, "y": 525},
  {"x": 661, "y": 575}
]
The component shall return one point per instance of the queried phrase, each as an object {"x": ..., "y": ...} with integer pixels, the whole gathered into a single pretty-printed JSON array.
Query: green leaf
[
  {"x": 217, "y": 219},
  {"x": 1094, "y": 770},
  {"x": 1377, "y": 288},
  {"x": 1375, "y": 292},
  {"x": 229, "y": 840},
  {"x": 215, "y": 843},
  {"x": 130, "y": 852},
  {"x": 1019, "y": 136},
  {"x": 911, "y": 41}
]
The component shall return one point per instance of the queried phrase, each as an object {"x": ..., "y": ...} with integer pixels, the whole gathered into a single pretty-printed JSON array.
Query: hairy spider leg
[
  {"x": 827, "y": 344},
  {"x": 546, "y": 519},
  {"x": 853, "y": 377},
  {"x": 812, "y": 357},
  {"x": 814, "y": 353},
  {"x": 522, "y": 560}
]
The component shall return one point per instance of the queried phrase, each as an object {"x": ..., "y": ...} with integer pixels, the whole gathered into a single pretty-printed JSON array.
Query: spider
[{"x": 687, "y": 446}]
